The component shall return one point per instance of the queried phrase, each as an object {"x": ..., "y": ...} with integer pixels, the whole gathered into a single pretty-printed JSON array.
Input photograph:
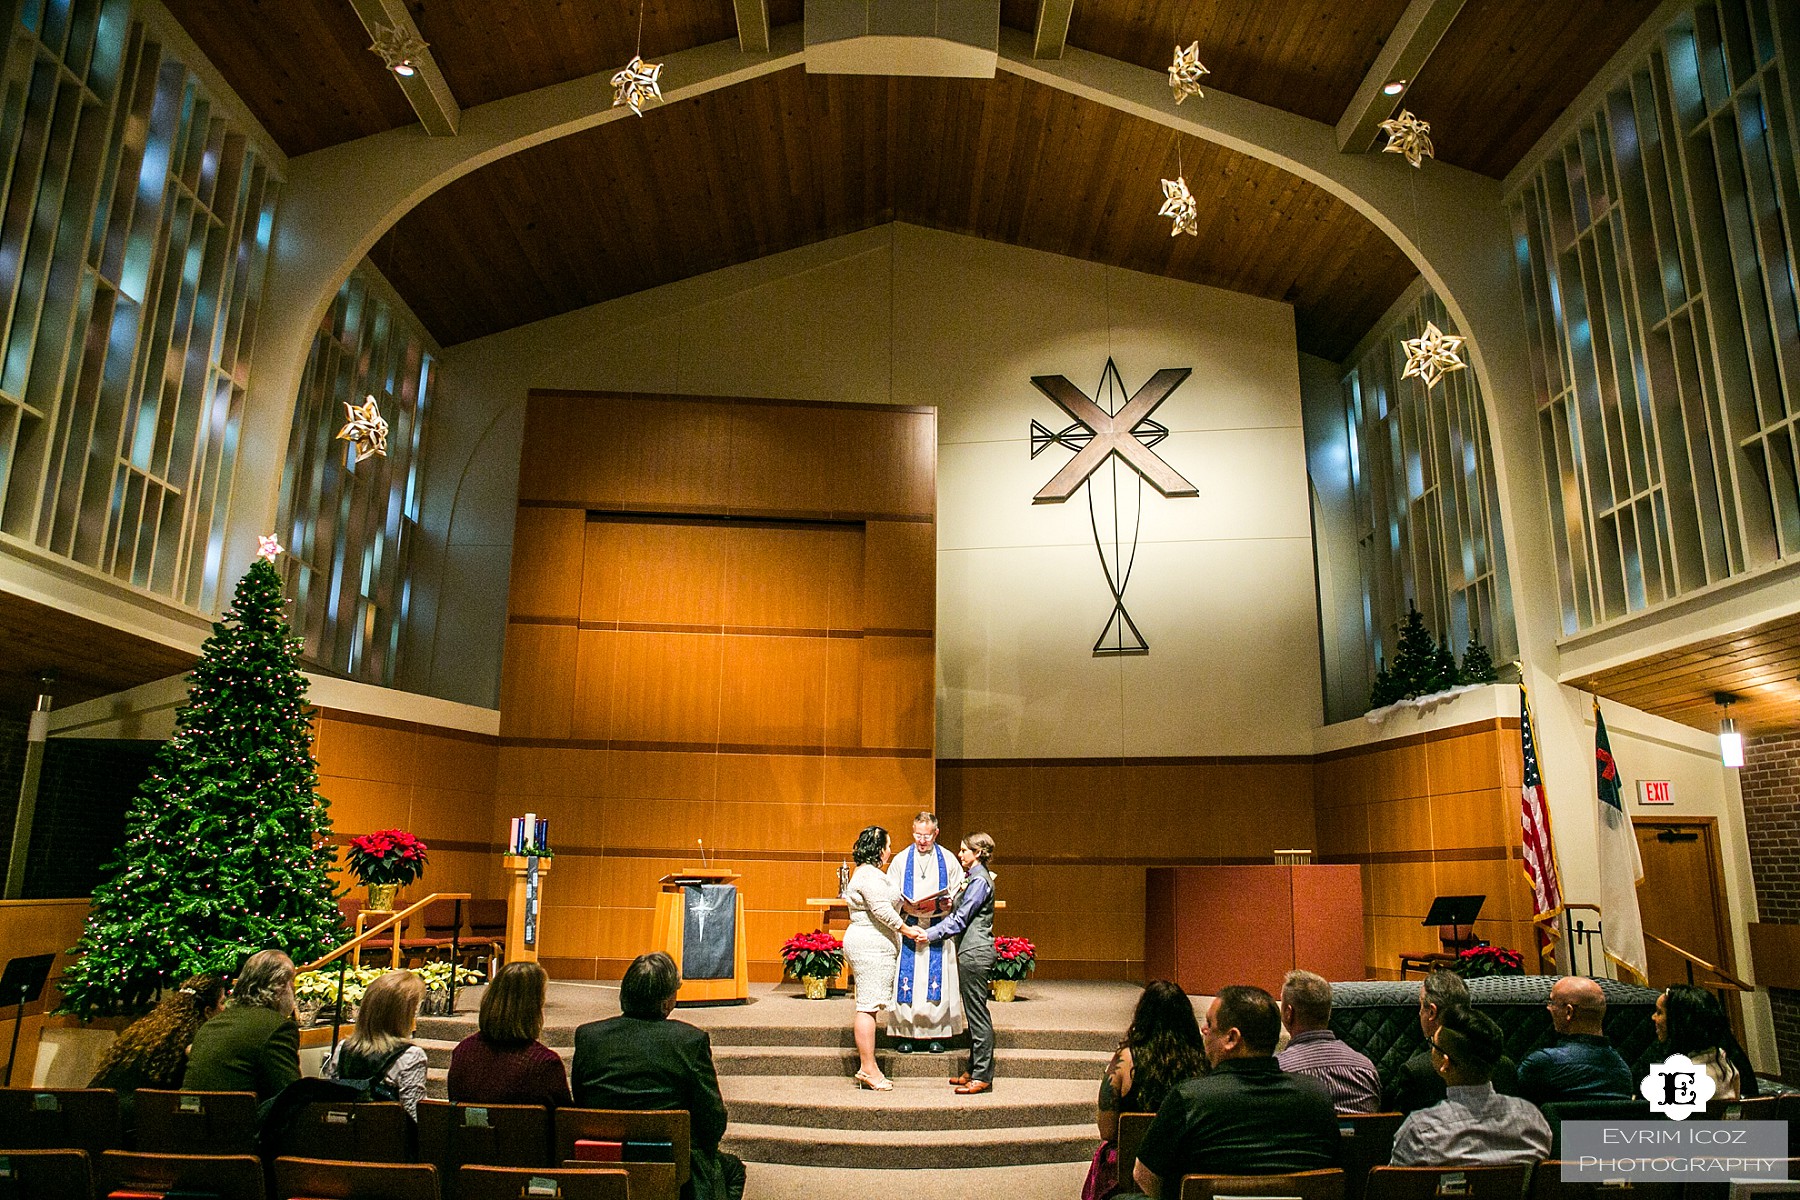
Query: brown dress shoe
[
  {"x": 959, "y": 1080},
  {"x": 975, "y": 1088}
]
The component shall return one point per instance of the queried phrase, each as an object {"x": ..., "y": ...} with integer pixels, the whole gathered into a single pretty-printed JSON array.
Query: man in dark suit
[
  {"x": 254, "y": 1044},
  {"x": 643, "y": 1060},
  {"x": 1415, "y": 1083}
]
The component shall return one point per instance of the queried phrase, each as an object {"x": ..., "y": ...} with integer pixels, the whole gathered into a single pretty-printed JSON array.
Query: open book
[{"x": 928, "y": 903}]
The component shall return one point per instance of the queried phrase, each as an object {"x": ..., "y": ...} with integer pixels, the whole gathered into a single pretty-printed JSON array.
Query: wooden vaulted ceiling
[
  {"x": 748, "y": 172},
  {"x": 91, "y": 659}
]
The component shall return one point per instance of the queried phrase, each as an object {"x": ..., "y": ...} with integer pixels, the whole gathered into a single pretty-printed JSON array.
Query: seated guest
[
  {"x": 643, "y": 1060},
  {"x": 1416, "y": 1083},
  {"x": 1473, "y": 1126},
  {"x": 381, "y": 1048},
  {"x": 1314, "y": 1050},
  {"x": 505, "y": 1063},
  {"x": 1689, "y": 1020},
  {"x": 1246, "y": 1116},
  {"x": 1161, "y": 1049},
  {"x": 253, "y": 1045},
  {"x": 1582, "y": 1065},
  {"x": 153, "y": 1050}
]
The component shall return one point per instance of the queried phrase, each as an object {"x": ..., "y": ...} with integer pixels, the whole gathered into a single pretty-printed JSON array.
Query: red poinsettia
[
  {"x": 816, "y": 954},
  {"x": 1480, "y": 961},
  {"x": 1014, "y": 957},
  {"x": 386, "y": 856}
]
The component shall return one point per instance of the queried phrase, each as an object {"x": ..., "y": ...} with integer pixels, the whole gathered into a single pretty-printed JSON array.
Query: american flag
[{"x": 1540, "y": 851}]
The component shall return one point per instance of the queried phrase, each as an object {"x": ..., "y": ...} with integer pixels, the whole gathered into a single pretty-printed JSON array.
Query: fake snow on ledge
[{"x": 1419, "y": 704}]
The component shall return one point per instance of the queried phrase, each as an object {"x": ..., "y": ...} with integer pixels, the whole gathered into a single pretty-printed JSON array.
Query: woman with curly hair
[
  {"x": 872, "y": 944},
  {"x": 1690, "y": 1020},
  {"x": 153, "y": 1051},
  {"x": 1161, "y": 1049}
]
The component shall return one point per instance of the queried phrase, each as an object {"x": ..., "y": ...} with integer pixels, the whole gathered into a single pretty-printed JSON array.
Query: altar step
[{"x": 822, "y": 1035}]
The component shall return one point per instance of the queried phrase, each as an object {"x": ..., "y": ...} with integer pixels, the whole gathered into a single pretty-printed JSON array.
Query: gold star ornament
[
  {"x": 1179, "y": 204},
  {"x": 637, "y": 85},
  {"x": 365, "y": 430},
  {"x": 1432, "y": 355},
  {"x": 1410, "y": 136},
  {"x": 1185, "y": 73},
  {"x": 267, "y": 547}
]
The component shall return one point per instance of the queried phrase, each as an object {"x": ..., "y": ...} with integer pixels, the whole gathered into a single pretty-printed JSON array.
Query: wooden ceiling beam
[
  {"x": 1052, "y": 28},
  {"x": 1416, "y": 34},
  {"x": 753, "y": 25},
  {"x": 426, "y": 88}
]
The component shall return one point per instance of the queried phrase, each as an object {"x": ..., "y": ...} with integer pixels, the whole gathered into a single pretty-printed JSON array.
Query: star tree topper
[
  {"x": 1179, "y": 203},
  {"x": 1432, "y": 355},
  {"x": 637, "y": 85},
  {"x": 365, "y": 430},
  {"x": 1409, "y": 136},
  {"x": 267, "y": 547},
  {"x": 1185, "y": 73}
]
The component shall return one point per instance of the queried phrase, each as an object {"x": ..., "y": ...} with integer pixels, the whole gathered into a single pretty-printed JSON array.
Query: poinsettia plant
[
  {"x": 1478, "y": 962},
  {"x": 1014, "y": 957},
  {"x": 815, "y": 955},
  {"x": 386, "y": 856}
]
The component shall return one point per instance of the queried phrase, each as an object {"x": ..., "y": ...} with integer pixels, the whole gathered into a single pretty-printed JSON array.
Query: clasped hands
[{"x": 915, "y": 933}]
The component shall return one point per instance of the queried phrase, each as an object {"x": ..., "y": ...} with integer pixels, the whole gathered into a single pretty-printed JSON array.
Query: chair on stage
[
  {"x": 1368, "y": 1141},
  {"x": 372, "y": 1132},
  {"x": 440, "y": 919},
  {"x": 1305, "y": 1185},
  {"x": 196, "y": 1122},
  {"x": 1547, "y": 1184},
  {"x": 510, "y": 1183},
  {"x": 322, "y": 1179},
  {"x": 651, "y": 1179},
  {"x": 60, "y": 1119},
  {"x": 45, "y": 1175},
  {"x": 487, "y": 929},
  {"x": 1435, "y": 1183},
  {"x": 452, "y": 1136},
  {"x": 227, "y": 1176},
  {"x": 1132, "y": 1128}
]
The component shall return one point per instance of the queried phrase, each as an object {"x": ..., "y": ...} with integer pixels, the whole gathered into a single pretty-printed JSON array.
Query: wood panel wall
[
  {"x": 30, "y": 927},
  {"x": 720, "y": 630},
  {"x": 1428, "y": 815},
  {"x": 438, "y": 783},
  {"x": 1074, "y": 836}
]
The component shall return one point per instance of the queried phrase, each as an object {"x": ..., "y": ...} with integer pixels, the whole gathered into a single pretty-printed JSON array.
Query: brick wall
[
  {"x": 1771, "y": 785},
  {"x": 84, "y": 788}
]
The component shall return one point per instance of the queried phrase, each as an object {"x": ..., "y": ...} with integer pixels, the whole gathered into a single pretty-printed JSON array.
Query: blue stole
[{"x": 934, "y": 956}]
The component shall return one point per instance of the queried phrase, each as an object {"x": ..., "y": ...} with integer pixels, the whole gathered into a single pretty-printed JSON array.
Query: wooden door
[{"x": 1682, "y": 899}]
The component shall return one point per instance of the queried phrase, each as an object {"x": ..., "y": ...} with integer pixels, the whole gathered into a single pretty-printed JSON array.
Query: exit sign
[{"x": 1655, "y": 791}]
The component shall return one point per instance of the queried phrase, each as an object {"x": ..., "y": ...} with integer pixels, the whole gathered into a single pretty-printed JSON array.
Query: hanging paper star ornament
[
  {"x": 1179, "y": 204},
  {"x": 637, "y": 85},
  {"x": 1409, "y": 136},
  {"x": 267, "y": 547},
  {"x": 1432, "y": 355},
  {"x": 1185, "y": 73},
  {"x": 365, "y": 430}
]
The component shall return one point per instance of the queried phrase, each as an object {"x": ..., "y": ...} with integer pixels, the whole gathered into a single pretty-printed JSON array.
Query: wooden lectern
[
  {"x": 670, "y": 929},
  {"x": 519, "y": 867}
]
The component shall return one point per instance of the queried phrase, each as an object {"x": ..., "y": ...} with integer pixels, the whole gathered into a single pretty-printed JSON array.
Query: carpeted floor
[{"x": 1053, "y": 1181}]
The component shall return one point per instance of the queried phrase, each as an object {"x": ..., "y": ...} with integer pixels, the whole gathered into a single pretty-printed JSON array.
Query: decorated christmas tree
[
  {"x": 1385, "y": 690},
  {"x": 1415, "y": 667},
  {"x": 227, "y": 843},
  {"x": 1444, "y": 674},
  {"x": 1478, "y": 664}
]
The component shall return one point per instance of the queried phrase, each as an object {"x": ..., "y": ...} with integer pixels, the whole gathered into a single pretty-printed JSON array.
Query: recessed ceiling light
[
  {"x": 399, "y": 49},
  {"x": 1393, "y": 87}
]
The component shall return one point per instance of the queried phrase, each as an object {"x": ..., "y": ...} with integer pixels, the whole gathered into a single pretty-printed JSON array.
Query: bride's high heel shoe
[{"x": 875, "y": 1083}]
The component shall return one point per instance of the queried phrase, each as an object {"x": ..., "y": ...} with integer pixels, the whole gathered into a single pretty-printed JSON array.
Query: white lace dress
[{"x": 872, "y": 943}]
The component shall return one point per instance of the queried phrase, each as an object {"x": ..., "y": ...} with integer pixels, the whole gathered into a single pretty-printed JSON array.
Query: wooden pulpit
[
  {"x": 704, "y": 934},
  {"x": 524, "y": 925}
]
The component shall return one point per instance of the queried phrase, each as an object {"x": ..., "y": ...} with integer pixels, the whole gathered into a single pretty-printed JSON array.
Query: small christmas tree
[
  {"x": 1415, "y": 657},
  {"x": 1444, "y": 674},
  {"x": 1478, "y": 664},
  {"x": 227, "y": 844},
  {"x": 1384, "y": 692}
]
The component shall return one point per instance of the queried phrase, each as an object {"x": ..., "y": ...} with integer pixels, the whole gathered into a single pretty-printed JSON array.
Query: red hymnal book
[{"x": 589, "y": 1150}]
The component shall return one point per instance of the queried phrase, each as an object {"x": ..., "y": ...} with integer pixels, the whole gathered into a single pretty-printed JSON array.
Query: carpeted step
[
  {"x": 907, "y": 1150},
  {"x": 1086, "y": 1065},
  {"x": 914, "y": 1104},
  {"x": 562, "y": 1037}
]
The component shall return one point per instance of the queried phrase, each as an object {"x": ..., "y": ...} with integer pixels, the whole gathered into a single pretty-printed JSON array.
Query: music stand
[
  {"x": 22, "y": 983},
  {"x": 1454, "y": 911}
]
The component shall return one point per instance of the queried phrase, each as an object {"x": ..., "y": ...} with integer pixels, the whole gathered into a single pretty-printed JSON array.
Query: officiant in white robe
[{"x": 927, "y": 1004}]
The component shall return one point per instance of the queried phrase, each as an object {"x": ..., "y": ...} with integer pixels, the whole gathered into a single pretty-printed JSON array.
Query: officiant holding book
[{"x": 927, "y": 1006}]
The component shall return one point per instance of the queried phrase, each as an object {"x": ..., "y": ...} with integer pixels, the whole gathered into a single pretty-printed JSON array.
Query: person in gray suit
[
  {"x": 974, "y": 921},
  {"x": 643, "y": 1060}
]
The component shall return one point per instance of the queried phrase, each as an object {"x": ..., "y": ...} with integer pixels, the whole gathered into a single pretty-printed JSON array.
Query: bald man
[{"x": 1582, "y": 1065}]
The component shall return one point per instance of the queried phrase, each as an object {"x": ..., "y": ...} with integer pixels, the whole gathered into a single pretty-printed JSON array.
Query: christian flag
[
  {"x": 1621, "y": 870},
  {"x": 1539, "y": 849}
]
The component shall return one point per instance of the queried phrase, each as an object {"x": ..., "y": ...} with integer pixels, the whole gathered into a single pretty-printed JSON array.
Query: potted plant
[
  {"x": 384, "y": 862},
  {"x": 1014, "y": 959},
  {"x": 437, "y": 985},
  {"x": 1479, "y": 962},
  {"x": 813, "y": 958},
  {"x": 317, "y": 991}
]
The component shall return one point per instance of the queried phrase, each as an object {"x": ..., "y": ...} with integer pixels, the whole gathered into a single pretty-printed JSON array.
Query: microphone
[{"x": 701, "y": 842}]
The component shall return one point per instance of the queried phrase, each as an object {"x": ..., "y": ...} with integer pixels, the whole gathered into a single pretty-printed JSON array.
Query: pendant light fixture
[{"x": 1731, "y": 742}]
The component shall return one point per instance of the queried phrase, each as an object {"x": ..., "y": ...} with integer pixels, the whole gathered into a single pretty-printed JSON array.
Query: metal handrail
[
  {"x": 393, "y": 921},
  {"x": 1694, "y": 960}
]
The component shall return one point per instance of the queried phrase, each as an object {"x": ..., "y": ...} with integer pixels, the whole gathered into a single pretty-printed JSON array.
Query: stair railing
[{"x": 341, "y": 955}]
